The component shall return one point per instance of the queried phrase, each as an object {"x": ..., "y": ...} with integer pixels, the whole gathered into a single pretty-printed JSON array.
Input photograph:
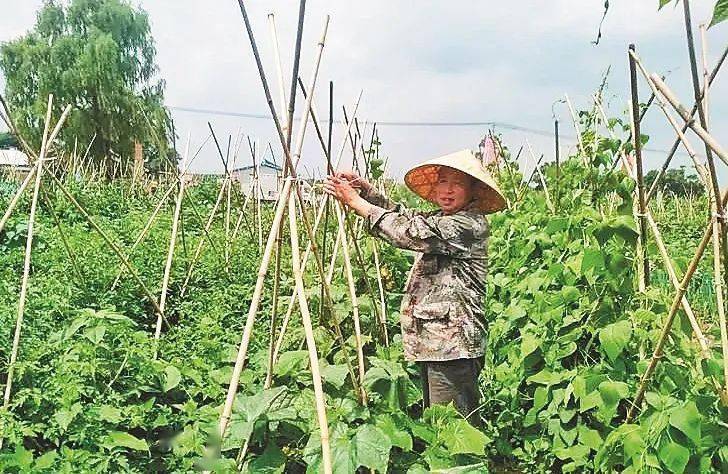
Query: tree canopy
[
  {"x": 677, "y": 182},
  {"x": 98, "y": 56}
]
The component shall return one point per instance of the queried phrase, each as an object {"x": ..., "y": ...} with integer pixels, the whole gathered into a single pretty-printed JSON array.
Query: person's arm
[
  {"x": 448, "y": 235},
  {"x": 367, "y": 190}
]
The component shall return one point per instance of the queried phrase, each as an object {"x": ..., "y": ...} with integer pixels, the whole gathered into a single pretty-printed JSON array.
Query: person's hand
[
  {"x": 356, "y": 181},
  {"x": 341, "y": 188}
]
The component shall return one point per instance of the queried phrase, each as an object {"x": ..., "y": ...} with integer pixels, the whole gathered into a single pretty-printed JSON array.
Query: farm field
[{"x": 568, "y": 337}]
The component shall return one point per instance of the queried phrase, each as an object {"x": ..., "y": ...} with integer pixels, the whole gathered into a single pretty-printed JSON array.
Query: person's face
[{"x": 453, "y": 190}]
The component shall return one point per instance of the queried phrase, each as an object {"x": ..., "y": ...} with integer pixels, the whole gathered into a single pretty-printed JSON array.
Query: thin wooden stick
[
  {"x": 170, "y": 252},
  {"x": 29, "y": 247},
  {"x": 575, "y": 121},
  {"x": 310, "y": 340},
  {"x": 708, "y": 139},
  {"x": 637, "y": 145},
  {"x": 684, "y": 128},
  {"x": 541, "y": 178},
  {"x": 382, "y": 296}
]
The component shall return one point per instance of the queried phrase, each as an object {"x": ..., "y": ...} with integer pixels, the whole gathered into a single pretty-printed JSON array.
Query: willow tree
[{"x": 99, "y": 56}]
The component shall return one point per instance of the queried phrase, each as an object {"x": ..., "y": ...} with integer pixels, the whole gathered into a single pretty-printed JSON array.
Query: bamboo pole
[
  {"x": 170, "y": 252},
  {"x": 354, "y": 299},
  {"x": 321, "y": 209},
  {"x": 708, "y": 139},
  {"x": 684, "y": 128},
  {"x": 575, "y": 121},
  {"x": 29, "y": 247},
  {"x": 292, "y": 161},
  {"x": 382, "y": 296},
  {"x": 310, "y": 340},
  {"x": 637, "y": 145},
  {"x": 657, "y": 354},
  {"x": 541, "y": 178}
]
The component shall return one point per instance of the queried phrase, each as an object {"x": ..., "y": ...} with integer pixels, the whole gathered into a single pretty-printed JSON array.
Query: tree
[
  {"x": 7, "y": 140},
  {"x": 98, "y": 56},
  {"x": 677, "y": 182}
]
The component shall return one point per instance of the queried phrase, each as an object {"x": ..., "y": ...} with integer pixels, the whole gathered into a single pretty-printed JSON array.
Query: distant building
[
  {"x": 270, "y": 177},
  {"x": 14, "y": 162}
]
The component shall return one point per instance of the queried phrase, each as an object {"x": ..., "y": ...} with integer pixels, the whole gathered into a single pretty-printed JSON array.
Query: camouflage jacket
[{"x": 442, "y": 310}]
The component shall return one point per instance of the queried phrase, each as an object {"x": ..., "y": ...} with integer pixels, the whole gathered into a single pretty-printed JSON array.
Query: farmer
[{"x": 442, "y": 320}]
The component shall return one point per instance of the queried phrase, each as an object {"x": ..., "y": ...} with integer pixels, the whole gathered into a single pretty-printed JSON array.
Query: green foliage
[
  {"x": 8, "y": 140},
  {"x": 99, "y": 57},
  {"x": 720, "y": 12}
]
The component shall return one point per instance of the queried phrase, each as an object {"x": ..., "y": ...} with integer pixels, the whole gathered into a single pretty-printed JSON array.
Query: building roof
[
  {"x": 263, "y": 164},
  {"x": 13, "y": 157}
]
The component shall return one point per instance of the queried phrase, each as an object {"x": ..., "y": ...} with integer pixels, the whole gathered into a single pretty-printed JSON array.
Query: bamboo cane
[
  {"x": 29, "y": 247},
  {"x": 637, "y": 145},
  {"x": 684, "y": 128},
  {"x": 575, "y": 121},
  {"x": 64, "y": 239},
  {"x": 170, "y": 252},
  {"x": 708, "y": 139},
  {"x": 380, "y": 286},
  {"x": 541, "y": 178},
  {"x": 265, "y": 261},
  {"x": 657, "y": 354},
  {"x": 706, "y": 74},
  {"x": 317, "y": 222},
  {"x": 310, "y": 340}
]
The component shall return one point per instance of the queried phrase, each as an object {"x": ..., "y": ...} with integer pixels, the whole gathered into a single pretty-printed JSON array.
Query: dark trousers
[{"x": 453, "y": 381}]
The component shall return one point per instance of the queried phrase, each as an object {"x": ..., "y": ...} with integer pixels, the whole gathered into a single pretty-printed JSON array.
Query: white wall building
[
  {"x": 270, "y": 177},
  {"x": 15, "y": 162}
]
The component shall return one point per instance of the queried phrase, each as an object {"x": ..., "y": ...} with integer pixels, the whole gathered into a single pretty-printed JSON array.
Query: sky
[{"x": 426, "y": 61}]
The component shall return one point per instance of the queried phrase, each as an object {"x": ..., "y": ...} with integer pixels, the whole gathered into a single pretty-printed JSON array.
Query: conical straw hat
[{"x": 422, "y": 179}]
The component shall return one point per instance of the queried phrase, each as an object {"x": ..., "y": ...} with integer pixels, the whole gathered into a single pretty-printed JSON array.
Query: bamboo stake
[
  {"x": 170, "y": 252},
  {"x": 575, "y": 120},
  {"x": 706, "y": 75},
  {"x": 265, "y": 261},
  {"x": 637, "y": 144},
  {"x": 657, "y": 354},
  {"x": 64, "y": 239},
  {"x": 382, "y": 300},
  {"x": 310, "y": 340},
  {"x": 321, "y": 209},
  {"x": 684, "y": 128},
  {"x": 29, "y": 247},
  {"x": 541, "y": 178},
  {"x": 354, "y": 299},
  {"x": 680, "y": 109}
]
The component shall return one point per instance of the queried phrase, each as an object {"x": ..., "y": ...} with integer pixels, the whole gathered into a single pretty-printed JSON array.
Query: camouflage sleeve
[
  {"x": 436, "y": 234},
  {"x": 374, "y": 197}
]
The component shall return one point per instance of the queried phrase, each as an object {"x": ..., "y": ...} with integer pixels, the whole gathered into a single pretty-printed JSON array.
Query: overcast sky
[{"x": 425, "y": 61}]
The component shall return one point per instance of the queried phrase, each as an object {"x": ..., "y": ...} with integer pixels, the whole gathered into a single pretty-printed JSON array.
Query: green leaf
[
  {"x": 246, "y": 411},
  {"x": 291, "y": 362},
  {"x": 397, "y": 436},
  {"x": 372, "y": 448},
  {"x": 720, "y": 12},
  {"x": 461, "y": 437},
  {"x": 65, "y": 416},
  {"x": 687, "y": 419},
  {"x": 172, "y": 378},
  {"x": 615, "y": 337},
  {"x": 110, "y": 414},
  {"x": 663, "y": 3},
  {"x": 529, "y": 343},
  {"x": 46, "y": 460},
  {"x": 590, "y": 437},
  {"x": 611, "y": 393},
  {"x": 125, "y": 440},
  {"x": 674, "y": 456},
  {"x": 335, "y": 374},
  {"x": 272, "y": 461}
]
